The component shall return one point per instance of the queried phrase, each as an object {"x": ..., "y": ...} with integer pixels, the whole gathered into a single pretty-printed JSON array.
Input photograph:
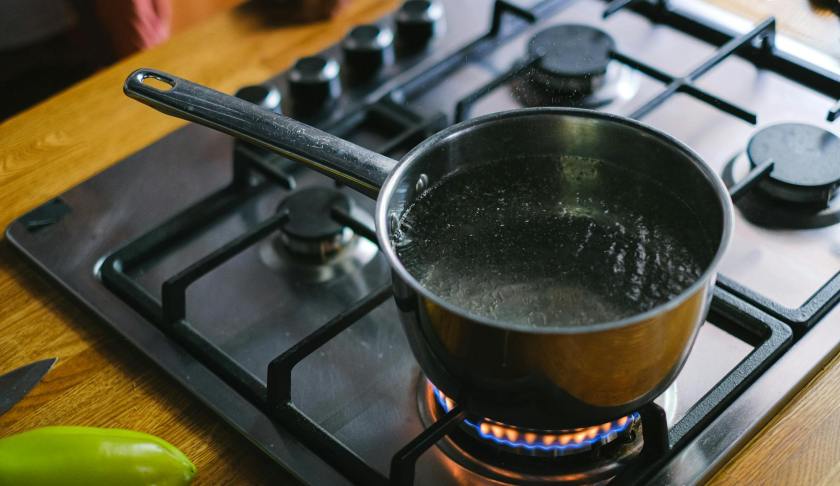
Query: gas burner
[
  {"x": 543, "y": 443},
  {"x": 312, "y": 243},
  {"x": 512, "y": 454},
  {"x": 311, "y": 232},
  {"x": 806, "y": 162},
  {"x": 799, "y": 192},
  {"x": 574, "y": 69}
]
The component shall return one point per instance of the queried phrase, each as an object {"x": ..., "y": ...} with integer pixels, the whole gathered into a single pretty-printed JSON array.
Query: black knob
[
  {"x": 418, "y": 22},
  {"x": 265, "y": 96},
  {"x": 366, "y": 49},
  {"x": 314, "y": 83}
]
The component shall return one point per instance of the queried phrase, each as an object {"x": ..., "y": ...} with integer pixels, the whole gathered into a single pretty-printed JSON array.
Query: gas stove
[{"x": 257, "y": 283}]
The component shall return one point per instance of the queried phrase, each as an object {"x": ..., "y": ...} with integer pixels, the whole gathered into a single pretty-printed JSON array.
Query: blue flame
[{"x": 571, "y": 446}]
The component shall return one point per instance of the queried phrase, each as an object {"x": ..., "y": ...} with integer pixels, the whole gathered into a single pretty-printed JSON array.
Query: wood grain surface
[
  {"x": 800, "y": 445},
  {"x": 101, "y": 381},
  {"x": 186, "y": 13}
]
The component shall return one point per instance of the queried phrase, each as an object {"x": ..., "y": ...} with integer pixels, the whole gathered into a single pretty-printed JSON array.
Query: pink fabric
[{"x": 133, "y": 25}]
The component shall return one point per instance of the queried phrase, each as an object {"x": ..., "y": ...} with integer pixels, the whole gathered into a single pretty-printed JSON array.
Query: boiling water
[{"x": 552, "y": 242}]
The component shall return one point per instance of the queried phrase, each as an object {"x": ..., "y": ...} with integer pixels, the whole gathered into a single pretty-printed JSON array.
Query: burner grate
[
  {"x": 800, "y": 318},
  {"x": 834, "y": 112},
  {"x": 764, "y": 32},
  {"x": 769, "y": 336},
  {"x": 763, "y": 53}
]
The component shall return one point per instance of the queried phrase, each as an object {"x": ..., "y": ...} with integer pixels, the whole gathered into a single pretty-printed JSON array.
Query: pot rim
[{"x": 396, "y": 175}]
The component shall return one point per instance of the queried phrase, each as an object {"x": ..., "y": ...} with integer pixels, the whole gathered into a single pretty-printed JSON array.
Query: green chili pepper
[{"x": 91, "y": 456}]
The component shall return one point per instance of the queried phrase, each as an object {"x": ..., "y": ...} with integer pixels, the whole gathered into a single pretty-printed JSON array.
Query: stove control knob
[
  {"x": 264, "y": 95},
  {"x": 418, "y": 22},
  {"x": 314, "y": 83},
  {"x": 367, "y": 48}
]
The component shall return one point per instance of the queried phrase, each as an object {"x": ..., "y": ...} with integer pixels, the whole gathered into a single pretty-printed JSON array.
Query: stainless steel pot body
[{"x": 541, "y": 377}]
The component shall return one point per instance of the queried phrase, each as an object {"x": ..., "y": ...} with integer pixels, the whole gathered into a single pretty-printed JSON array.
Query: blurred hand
[{"x": 133, "y": 25}]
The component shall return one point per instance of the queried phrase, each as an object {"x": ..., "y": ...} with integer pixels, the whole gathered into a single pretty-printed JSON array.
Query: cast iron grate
[
  {"x": 763, "y": 33},
  {"x": 769, "y": 336},
  {"x": 834, "y": 112}
]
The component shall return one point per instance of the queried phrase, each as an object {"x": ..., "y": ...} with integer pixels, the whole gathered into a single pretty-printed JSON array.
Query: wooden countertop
[{"x": 102, "y": 381}]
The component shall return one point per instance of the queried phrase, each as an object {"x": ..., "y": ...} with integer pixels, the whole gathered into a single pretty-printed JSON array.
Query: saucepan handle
[{"x": 348, "y": 163}]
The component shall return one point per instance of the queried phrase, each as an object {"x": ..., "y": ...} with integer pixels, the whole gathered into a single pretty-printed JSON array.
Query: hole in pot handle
[
  {"x": 346, "y": 162},
  {"x": 156, "y": 80}
]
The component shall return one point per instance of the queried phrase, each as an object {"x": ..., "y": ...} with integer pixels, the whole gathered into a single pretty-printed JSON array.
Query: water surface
[{"x": 555, "y": 241}]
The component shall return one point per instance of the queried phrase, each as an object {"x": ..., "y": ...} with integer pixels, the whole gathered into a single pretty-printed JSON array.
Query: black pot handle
[{"x": 348, "y": 163}]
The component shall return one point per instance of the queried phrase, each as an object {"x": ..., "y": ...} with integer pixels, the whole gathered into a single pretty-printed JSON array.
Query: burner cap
[
  {"x": 572, "y": 51},
  {"x": 806, "y": 162},
  {"x": 310, "y": 230}
]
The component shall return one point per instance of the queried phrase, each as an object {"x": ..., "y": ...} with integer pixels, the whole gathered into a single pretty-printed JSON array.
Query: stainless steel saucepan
[{"x": 529, "y": 376}]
